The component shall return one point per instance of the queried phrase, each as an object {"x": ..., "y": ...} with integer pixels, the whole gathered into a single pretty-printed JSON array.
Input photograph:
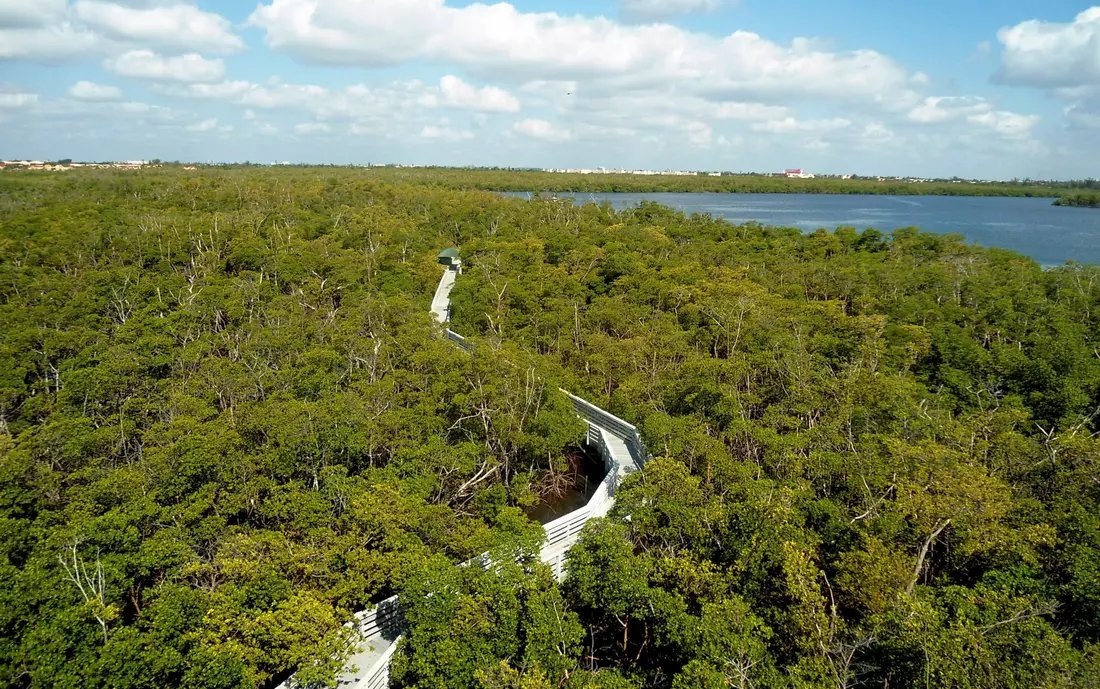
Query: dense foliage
[
  {"x": 227, "y": 423},
  {"x": 876, "y": 456},
  {"x": 1081, "y": 199}
]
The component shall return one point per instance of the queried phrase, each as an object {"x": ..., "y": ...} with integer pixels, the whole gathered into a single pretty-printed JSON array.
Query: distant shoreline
[
  {"x": 533, "y": 181},
  {"x": 557, "y": 182}
]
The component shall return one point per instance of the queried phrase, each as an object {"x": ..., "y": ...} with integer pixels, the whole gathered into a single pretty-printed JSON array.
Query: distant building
[{"x": 798, "y": 173}]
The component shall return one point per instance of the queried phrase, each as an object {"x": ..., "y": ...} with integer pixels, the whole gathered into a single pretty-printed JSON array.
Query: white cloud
[
  {"x": 699, "y": 134},
  {"x": 623, "y": 93},
  {"x": 878, "y": 134},
  {"x": 397, "y": 100},
  {"x": 1082, "y": 116},
  {"x": 1062, "y": 58},
  {"x": 1010, "y": 125},
  {"x": 750, "y": 111},
  {"x": 312, "y": 128},
  {"x": 52, "y": 43},
  {"x": 652, "y": 10},
  {"x": 87, "y": 116},
  {"x": 500, "y": 42},
  {"x": 182, "y": 27},
  {"x": 933, "y": 110},
  {"x": 456, "y": 93},
  {"x": 541, "y": 129},
  {"x": 17, "y": 99},
  {"x": 54, "y": 31},
  {"x": 30, "y": 13},
  {"x": 145, "y": 64},
  {"x": 204, "y": 126},
  {"x": 954, "y": 110},
  {"x": 1049, "y": 55},
  {"x": 89, "y": 91},
  {"x": 789, "y": 125},
  {"x": 601, "y": 82},
  {"x": 225, "y": 90},
  {"x": 445, "y": 134}
]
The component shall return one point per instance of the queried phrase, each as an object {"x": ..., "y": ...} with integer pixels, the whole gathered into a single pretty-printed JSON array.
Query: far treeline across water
[
  {"x": 228, "y": 421},
  {"x": 538, "y": 181},
  {"x": 1081, "y": 199}
]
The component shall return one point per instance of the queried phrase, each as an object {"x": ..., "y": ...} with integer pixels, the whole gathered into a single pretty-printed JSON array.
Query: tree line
[
  {"x": 539, "y": 181},
  {"x": 1080, "y": 199}
]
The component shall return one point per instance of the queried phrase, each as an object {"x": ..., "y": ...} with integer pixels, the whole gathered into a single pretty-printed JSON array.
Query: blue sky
[{"x": 988, "y": 90}]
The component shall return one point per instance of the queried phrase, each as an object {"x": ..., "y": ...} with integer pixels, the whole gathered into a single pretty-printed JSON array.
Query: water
[
  {"x": 1033, "y": 227},
  {"x": 590, "y": 474}
]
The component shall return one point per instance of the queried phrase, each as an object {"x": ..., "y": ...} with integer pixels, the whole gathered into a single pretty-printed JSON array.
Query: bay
[{"x": 1031, "y": 226}]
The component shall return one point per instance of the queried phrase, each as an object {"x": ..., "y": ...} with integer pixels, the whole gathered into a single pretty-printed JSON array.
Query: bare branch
[{"x": 940, "y": 526}]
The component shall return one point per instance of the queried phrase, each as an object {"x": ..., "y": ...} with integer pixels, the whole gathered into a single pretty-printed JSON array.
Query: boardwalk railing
[
  {"x": 384, "y": 619},
  {"x": 612, "y": 424},
  {"x": 458, "y": 339}
]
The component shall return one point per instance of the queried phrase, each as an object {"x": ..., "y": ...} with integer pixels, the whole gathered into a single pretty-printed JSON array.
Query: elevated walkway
[
  {"x": 623, "y": 452},
  {"x": 441, "y": 302}
]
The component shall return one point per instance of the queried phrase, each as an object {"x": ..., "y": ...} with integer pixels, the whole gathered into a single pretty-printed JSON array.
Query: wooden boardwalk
[{"x": 623, "y": 452}]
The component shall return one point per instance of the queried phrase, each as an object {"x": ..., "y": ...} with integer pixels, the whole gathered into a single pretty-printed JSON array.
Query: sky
[{"x": 978, "y": 89}]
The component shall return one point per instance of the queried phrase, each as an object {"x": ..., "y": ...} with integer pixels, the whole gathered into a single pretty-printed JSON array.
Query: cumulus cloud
[
  {"x": 50, "y": 44},
  {"x": 92, "y": 92},
  {"x": 312, "y": 128},
  {"x": 789, "y": 125},
  {"x": 1049, "y": 55},
  {"x": 500, "y": 42},
  {"x": 183, "y": 27},
  {"x": 455, "y": 93},
  {"x": 1080, "y": 117},
  {"x": 934, "y": 110},
  {"x": 204, "y": 126},
  {"x": 878, "y": 134},
  {"x": 622, "y": 111},
  {"x": 17, "y": 99},
  {"x": 1010, "y": 125},
  {"x": 145, "y": 64},
  {"x": 30, "y": 13},
  {"x": 445, "y": 133},
  {"x": 352, "y": 103},
  {"x": 973, "y": 111},
  {"x": 270, "y": 96},
  {"x": 643, "y": 89},
  {"x": 55, "y": 31},
  {"x": 543, "y": 130},
  {"x": 749, "y": 111},
  {"x": 124, "y": 117},
  {"x": 653, "y": 10}
]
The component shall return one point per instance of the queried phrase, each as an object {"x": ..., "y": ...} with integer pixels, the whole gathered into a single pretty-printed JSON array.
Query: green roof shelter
[{"x": 449, "y": 257}]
